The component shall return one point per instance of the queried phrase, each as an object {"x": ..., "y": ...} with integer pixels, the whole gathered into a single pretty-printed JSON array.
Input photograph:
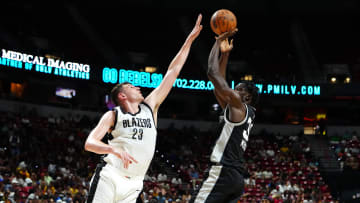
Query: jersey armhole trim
[
  {"x": 115, "y": 120},
  {"x": 152, "y": 113},
  {"x": 238, "y": 123}
]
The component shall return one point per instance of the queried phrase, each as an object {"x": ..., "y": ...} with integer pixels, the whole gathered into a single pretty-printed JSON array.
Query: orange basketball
[{"x": 222, "y": 21}]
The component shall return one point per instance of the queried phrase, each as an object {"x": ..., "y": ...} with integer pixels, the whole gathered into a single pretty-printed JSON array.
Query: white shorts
[{"x": 109, "y": 185}]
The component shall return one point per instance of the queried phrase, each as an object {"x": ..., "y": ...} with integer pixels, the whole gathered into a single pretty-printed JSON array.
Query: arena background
[{"x": 304, "y": 56}]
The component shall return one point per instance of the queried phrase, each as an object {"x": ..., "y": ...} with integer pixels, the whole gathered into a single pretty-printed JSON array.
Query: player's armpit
[
  {"x": 220, "y": 100},
  {"x": 93, "y": 143}
]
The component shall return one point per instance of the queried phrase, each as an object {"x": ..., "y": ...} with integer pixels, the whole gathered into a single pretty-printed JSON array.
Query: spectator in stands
[
  {"x": 262, "y": 153},
  {"x": 186, "y": 197},
  {"x": 150, "y": 198},
  {"x": 176, "y": 180},
  {"x": 270, "y": 152},
  {"x": 47, "y": 178},
  {"x": 250, "y": 182},
  {"x": 161, "y": 177},
  {"x": 14, "y": 140},
  {"x": 267, "y": 174},
  {"x": 288, "y": 186},
  {"x": 351, "y": 163},
  {"x": 284, "y": 149},
  {"x": 258, "y": 174}
]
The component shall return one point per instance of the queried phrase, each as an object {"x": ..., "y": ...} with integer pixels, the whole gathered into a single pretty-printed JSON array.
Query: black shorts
[{"x": 223, "y": 185}]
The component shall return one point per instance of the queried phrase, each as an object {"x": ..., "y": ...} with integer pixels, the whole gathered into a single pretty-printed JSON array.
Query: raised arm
[
  {"x": 158, "y": 95},
  {"x": 222, "y": 89},
  {"x": 225, "y": 48}
]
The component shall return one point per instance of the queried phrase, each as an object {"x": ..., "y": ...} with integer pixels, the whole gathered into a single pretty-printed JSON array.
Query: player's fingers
[
  {"x": 221, "y": 37},
  {"x": 231, "y": 42},
  {"x": 132, "y": 158},
  {"x": 227, "y": 35},
  {"x": 125, "y": 160},
  {"x": 231, "y": 32},
  {"x": 198, "y": 21}
]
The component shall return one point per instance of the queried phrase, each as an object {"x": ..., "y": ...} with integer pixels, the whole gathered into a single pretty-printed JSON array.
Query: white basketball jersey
[{"x": 135, "y": 134}]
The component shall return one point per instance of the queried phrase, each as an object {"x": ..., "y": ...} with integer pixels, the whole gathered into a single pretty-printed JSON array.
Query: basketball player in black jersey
[{"x": 225, "y": 182}]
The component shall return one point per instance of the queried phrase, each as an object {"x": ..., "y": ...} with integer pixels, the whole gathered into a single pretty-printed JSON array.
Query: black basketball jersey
[{"x": 232, "y": 142}]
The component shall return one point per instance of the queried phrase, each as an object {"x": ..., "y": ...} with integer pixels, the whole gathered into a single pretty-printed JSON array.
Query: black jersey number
[
  {"x": 246, "y": 134},
  {"x": 138, "y": 134}
]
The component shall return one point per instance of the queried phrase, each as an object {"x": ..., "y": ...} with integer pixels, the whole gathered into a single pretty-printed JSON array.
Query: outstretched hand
[
  {"x": 223, "y": 39},
  {"x": 196, "y": 30}
]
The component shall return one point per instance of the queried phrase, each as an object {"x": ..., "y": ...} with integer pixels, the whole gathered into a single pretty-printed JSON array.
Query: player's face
[
  {"x": 244, "y": 94},
  {"x": 132, "y": 93}
]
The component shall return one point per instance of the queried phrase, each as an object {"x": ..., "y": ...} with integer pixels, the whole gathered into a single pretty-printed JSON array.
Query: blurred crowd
[
  {"x": 281, "y": 168},
  {"x": 347, "y": 149},
  {"x": 43, "y": 160}
]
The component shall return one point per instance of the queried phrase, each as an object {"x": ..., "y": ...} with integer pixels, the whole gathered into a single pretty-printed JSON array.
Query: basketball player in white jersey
[
  {"x": 225, "y": 181},
  {"x": 131, "y": 127}
]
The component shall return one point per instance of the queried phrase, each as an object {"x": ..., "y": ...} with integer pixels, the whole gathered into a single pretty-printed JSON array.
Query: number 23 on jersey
[{"x": 137, "y": 133}]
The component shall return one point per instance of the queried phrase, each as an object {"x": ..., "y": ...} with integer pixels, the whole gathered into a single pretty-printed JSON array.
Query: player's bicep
[
  {"x": 220, "y": 100},
  {"x": 227, "y": 95},
  {"x": 105, "y": 123}
]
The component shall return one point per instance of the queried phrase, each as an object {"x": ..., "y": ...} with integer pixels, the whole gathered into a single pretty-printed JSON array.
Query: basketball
[{"x": 222, "y": 21}]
